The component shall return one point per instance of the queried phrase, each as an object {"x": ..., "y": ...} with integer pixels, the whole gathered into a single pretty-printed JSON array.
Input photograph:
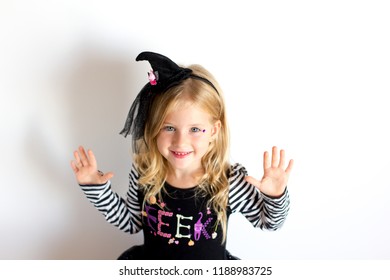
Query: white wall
[{"x": 311, "y": 78}]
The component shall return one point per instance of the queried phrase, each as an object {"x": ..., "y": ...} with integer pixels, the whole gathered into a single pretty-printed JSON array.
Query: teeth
[{"x": 181, "y": 154}]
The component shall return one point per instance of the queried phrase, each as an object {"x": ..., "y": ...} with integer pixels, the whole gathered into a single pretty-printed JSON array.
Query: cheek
[
  {"x": 202, "y": 142},
  {"x": 161, "y": 142},
  {"x": 165, "y": 140}
]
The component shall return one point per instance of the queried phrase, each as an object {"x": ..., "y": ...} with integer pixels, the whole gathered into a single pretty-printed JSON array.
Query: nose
[{"x": 179, "y": 138}]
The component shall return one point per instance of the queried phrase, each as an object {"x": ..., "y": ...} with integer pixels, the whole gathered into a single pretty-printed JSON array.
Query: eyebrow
[{"x": 196, "y": 124}]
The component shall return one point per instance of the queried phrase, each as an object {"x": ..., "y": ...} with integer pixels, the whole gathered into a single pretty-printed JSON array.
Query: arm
[
  {"x": 262, "y": 211},
  {"x": 264, "y": 203},
  {"x": 125, "y": 214}
]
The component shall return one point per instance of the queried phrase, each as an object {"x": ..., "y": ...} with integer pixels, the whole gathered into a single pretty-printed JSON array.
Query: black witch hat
[{"x": 164, "y": 74}]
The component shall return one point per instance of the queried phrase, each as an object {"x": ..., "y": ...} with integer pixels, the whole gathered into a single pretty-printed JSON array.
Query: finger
[
  {"x": 252, "y": 181},
  {"x": 282, "y": 159},
  {"x": 92, "y": 159},
  {"x": 275, "y": 158},
  {"x": 107, "y": 176},
  {"x": 83, "y": 156},
  {"x": 290, "y": 166},
  {"x": 77, "y": 160},
  {"x": 266, "y": 163},
  {"x": 74, "y": 167}
]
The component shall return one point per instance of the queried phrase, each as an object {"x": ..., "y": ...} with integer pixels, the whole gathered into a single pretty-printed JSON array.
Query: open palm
[
  {"x": 85, "y": 168},
  {"x": 275, "y": 176}
]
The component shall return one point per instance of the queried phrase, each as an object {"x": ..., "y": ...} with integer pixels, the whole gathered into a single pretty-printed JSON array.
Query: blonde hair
[{"x": 153, "y": 167}]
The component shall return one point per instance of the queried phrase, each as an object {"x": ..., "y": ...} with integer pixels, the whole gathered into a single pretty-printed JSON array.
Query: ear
[{"x": 215, "y": 130}]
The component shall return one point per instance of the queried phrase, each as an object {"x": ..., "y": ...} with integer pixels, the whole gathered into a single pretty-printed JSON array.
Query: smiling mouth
[{"x": 180, "y": 154}]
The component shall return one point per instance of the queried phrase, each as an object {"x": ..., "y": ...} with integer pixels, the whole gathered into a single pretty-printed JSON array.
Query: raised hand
[
  {"x": 85, "y": 168},
  {"x": 275, "y": 176}
]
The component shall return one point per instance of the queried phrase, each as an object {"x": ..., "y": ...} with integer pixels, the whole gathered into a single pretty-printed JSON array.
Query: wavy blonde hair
[{"x": 153, "y": 167}]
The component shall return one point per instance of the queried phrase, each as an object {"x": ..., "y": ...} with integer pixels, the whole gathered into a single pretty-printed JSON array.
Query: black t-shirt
[{"x": 181, "y": 226}]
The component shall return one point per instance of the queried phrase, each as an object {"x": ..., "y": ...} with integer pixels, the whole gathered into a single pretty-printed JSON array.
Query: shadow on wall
[{"x": 93, "y": 94}]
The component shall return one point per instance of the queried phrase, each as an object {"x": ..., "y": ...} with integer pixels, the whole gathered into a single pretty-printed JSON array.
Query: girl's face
[{"x": 185, "y": 136}]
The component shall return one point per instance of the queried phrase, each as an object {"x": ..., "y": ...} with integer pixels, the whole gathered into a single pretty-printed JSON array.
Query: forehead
[{"x": 187, "y": 113}]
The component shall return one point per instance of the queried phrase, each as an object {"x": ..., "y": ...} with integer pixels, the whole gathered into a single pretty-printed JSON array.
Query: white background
[{"x": 311, "y": 77}]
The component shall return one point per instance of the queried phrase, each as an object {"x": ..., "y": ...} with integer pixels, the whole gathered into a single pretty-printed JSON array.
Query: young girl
[{"x": 182, "y": 187}]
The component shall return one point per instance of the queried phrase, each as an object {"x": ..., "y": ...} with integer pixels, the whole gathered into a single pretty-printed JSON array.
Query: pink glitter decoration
[{"x": 153, "y": 77}]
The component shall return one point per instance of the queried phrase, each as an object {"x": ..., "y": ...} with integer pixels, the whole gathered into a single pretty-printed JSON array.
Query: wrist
[{"x": 276, "y": 196}]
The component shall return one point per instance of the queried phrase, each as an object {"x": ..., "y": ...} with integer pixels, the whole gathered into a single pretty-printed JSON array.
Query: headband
[{"x": 164, "y": 74}]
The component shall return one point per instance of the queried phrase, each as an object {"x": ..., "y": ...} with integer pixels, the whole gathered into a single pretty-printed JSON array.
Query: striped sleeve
[
  {"x": 262, "y": 211},
  {"x": 122, "y": 213}
]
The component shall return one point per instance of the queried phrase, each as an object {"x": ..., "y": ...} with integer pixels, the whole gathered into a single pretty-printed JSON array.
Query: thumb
[
  {"x": 107, "y": 176},
  {"x": 252, "y": 181}
]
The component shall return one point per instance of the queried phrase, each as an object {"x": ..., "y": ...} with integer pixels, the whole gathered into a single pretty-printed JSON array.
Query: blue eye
[
  {"x": 195, "y": 129},
  {"x": 168, "y": 128}
]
